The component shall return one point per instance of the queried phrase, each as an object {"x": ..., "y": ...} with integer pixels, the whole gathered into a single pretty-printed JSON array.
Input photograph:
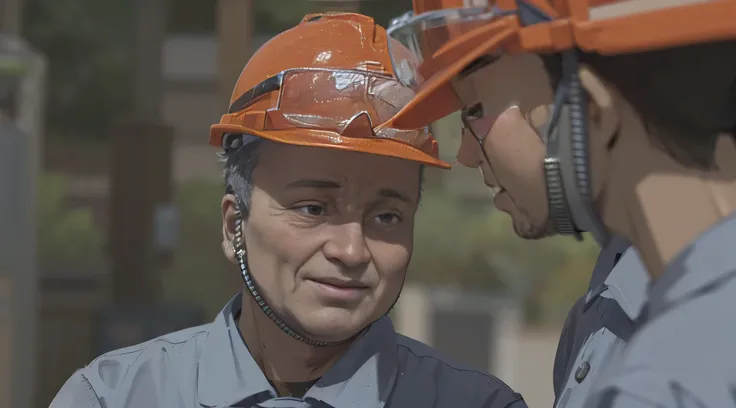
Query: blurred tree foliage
[
  {"x": 88, "y": 44},
  {"x": 273, "y": 16},
  {"x": 200, "y": 273},
  {"x": 56, "y": 224},
  {"x": 385, "y": 10},
  {"x": 475, "y": 248}
]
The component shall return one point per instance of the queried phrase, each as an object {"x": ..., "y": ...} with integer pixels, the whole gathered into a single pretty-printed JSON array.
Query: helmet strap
[
  {"x": 566, "y": 166},
  {"x": 238, "y": 245}
]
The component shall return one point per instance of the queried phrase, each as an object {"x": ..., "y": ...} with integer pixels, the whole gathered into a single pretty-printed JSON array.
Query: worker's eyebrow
[
  {"x": 394, "y": 194},
  {"x": 387, "y": 193},
  {"x": 312, "y": 183}
]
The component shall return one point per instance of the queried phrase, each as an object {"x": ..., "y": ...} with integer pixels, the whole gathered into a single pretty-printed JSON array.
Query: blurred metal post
[
  {"x": 11, "y": 16},
  {"x": 234, "y": 45},
  {"x": 19, "y": 167},
  {"x": 150, "y": 35},
  {"x": 141, "y": 170}
]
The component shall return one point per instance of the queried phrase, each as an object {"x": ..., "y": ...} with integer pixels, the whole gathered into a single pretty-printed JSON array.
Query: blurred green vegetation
[
  {"x": 66, "y": 236},
  {"x": 200, "y": 273},
  {"x": 476, "y": 249},
  {"x": 88, "y": 44},
  {"x": 88, "y": 47}
]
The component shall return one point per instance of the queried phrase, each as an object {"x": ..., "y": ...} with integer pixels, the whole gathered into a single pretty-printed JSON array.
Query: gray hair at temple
[{"x": 241, "y": 159}]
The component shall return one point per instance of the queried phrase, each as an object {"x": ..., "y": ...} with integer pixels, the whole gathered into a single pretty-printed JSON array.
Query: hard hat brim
[{"x": 332, "y": 140}]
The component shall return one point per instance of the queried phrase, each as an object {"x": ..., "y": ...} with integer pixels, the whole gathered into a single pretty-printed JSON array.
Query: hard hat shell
[
  {"x": 341, "y": 45},
  {"x": 606, "y": 27}
]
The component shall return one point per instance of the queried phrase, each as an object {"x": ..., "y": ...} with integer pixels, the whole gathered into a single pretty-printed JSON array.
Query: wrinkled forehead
[
  {"x": 283, "y": 166},
  {"x": 520, "y": 80}
]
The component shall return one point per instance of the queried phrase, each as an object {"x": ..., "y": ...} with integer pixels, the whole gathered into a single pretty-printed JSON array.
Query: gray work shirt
[
  {"x": 210, "y": 366},
  {"x": 599, "y": 323},
  {"x": 683, "y": 354}
]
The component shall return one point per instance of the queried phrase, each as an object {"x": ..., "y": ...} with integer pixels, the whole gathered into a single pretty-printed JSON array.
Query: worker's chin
[
  {"x": 528, "y": 230},
  {"x": 330, "y": 324}
]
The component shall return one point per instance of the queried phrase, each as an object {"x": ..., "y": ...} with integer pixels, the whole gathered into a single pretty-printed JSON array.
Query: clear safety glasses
[
  {"x": 415, "y": 40},
  {"x": 348, "y": 102}
]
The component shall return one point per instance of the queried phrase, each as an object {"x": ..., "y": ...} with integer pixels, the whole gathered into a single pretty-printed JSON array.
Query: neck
[
  {"x": 666, "y": 206},
  {"x": 281, "y": 357}
]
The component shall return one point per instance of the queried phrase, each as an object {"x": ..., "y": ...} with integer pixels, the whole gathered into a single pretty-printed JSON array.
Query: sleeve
[
  {"x": 76, "y": 393},
  {"x": 493, "y": 393}
]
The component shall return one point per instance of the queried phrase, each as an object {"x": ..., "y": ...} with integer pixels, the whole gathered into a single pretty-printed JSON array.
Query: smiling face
[
  {"x": 513, "y": 92},
  {"x": 329, "y": 236}
]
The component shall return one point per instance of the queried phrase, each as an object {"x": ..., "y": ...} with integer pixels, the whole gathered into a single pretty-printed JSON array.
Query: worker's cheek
[
  {"x": 517, "y": 155},
  {"x": 470, "y": 154}
]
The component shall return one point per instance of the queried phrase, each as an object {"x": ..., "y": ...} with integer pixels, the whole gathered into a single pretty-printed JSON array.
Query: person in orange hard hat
[
  {"x": 318, "y": 217},
  {"x": 622, "y": 124},
  {"x": 602, "y": 319}
]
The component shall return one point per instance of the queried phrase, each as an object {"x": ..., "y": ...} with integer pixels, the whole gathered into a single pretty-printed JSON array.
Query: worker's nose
[
  {"x": 469, "y": 154},
  {"x": 348, "y": 246}
]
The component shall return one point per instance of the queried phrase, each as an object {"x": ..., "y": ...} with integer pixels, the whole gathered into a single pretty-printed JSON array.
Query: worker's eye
[
  {"x": 388, "y": 218},
  {"x": 314, "y": 210},
  {"x": 474, "y": 112}
]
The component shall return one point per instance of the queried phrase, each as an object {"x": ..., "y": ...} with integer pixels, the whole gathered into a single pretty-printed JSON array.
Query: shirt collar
[
  {"x": 362, "y": 378},
  {"x": 627, "y": 284},
  {"x": 709, "y": 260},
  {"x": 625, "y": 281},
  {"x": 606, "y": 261}
]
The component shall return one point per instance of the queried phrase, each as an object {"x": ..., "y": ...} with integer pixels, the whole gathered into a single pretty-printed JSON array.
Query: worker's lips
[{"x": 338, "y": 289}]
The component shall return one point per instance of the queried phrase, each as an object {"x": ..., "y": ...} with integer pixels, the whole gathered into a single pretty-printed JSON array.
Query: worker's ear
[
  {"x": 603, "y": 126},
  {"x": 230, "y": 218}
]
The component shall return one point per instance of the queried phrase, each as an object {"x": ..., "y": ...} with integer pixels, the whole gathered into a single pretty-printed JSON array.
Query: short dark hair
[
  {"x": 241, "y": 159},
  {"x": 686, "y": 96}
]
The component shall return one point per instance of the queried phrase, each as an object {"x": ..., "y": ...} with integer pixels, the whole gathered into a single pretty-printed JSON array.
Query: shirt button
[{"x": 582, "y": 372}]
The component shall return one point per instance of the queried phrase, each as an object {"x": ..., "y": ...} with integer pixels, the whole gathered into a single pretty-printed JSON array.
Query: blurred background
[{"x": 109, "y": 199}]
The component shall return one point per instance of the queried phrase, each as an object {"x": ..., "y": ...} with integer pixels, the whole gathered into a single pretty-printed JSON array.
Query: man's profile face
[
  {"x": 513, "y": 91},
  {"x": 330, "y": 235}
]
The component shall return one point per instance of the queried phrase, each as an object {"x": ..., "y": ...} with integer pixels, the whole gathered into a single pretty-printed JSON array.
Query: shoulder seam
[
  {"x": 142, "y": 346},
  {"x": 518, "y": 398},
  {"x": 446, "y": 364}
]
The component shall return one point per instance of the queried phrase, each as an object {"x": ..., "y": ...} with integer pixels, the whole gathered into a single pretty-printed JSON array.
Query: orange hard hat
[
  {"x": 327, "y": 82},
  {"x": 447, "y": 36}
]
